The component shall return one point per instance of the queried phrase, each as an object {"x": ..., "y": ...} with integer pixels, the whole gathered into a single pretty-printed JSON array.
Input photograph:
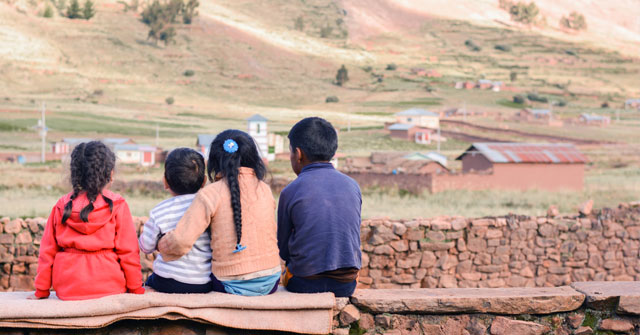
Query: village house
[
  {"x": 541, "y": 116},
  {"x": 66, "y": 145},
  {"x": 632, "y": 103},
  {"x": 394, "y": 162},
  {"x": 143, "y": 155},
  {"x": 411, "y": 132},
  {"x": 594, "y": 120},
  {"x": 257, "y": 128},
  {"x": 419, "y": 117},
  {"x": 554, "y": 166},
  {"x": 203, "y": 143}
]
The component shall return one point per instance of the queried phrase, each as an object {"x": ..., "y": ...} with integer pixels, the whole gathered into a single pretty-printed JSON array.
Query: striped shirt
[{"x": 192, "y": 268}]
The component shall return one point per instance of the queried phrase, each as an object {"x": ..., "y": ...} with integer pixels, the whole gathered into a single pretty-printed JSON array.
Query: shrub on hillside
[
  {"x": 87, "y": 10},
  {"x": 169, "y": 100},
  {"x": 503, "y": 47},
  {"x": 518, "y": 99},
  {"x": 536, "y": 97},
  {"x": 574, "y": 21},
  {"x": 189, "y": 73},
  {"x": 513, "y": 76},
  {"x": 342, "y": 76},
  {"x": 524, "y": 13},
  {"x": 331, "y": 98},
  {"x": 367, "y": 69},
  {"x": 392, "y": 67},
  {"x": 472, "y": 45},
  {"x": 326, "y": 31},
  {"x": 160, "y": 17}
]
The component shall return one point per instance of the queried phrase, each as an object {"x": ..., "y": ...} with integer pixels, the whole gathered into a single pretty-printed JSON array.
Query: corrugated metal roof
[
  {"x": 133, "y": 147},
  {"x": 416, "y": 112},
  {"x": 401, "y": 126},
  {"x": 593, "y": 117},
  {"x": 551, "y": 153},
  {"x": 540, "y": 111},
  {"x": 631, "y": 101}
]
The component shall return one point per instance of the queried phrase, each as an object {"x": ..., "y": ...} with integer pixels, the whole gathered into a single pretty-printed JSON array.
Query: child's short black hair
[
  {"x": 184, "y": 171},
  {"x": 316, "y": 137}
]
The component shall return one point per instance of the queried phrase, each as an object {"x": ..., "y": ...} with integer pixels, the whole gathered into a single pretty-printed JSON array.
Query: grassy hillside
[{"x": 102, "y": 78}]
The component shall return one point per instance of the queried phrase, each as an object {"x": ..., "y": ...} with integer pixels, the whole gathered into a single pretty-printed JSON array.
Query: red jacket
[{"x": 86, "y": 260}]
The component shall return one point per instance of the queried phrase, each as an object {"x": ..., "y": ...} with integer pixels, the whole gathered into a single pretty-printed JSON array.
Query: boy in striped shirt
[{"x": 184, "y": 175}]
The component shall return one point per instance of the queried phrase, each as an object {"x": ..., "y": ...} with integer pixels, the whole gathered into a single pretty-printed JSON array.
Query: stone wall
[
  {"x": 510, "y": 251},
  {"x": 445, "y": 252}
]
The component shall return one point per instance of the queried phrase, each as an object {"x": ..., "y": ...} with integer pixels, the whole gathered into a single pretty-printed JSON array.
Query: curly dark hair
[
  {"x": 227, "y": 164},
  {"x": 91, "y": 167}
]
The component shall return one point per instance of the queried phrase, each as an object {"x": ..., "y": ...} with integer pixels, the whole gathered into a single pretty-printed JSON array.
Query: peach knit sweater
[{"x": 211, "y": 209}]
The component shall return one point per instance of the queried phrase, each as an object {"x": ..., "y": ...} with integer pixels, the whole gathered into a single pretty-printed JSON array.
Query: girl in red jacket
[{"x": 89, "y": 248}]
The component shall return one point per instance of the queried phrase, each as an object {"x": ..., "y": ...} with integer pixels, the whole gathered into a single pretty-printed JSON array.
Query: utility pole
[
  {"x": 438, "y": 138},
  {"x": 43, "y": 133},
  {"x": 464, "y": 111},
  {"x": 349, "y": 123},
  {"x": 157, "y": 135}
]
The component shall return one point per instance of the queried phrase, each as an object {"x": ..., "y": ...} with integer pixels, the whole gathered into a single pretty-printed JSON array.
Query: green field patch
[
  {"x": 130, "y": 121},
  {"x": 510, "y": 104}
]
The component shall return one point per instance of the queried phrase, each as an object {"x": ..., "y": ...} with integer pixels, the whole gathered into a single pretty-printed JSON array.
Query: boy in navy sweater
[{"x": 319, "y": 215}]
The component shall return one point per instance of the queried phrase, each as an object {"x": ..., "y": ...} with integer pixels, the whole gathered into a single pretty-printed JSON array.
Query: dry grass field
[{"x": 103, "y": 78}]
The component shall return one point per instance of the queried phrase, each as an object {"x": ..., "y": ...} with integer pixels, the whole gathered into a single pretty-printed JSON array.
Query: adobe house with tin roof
[
  {"x": 548, "y": 166},
  {"x": 419, "y": 117}
]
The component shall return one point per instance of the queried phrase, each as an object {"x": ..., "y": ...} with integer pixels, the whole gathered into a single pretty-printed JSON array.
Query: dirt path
[{"x": 550, "y": 138}]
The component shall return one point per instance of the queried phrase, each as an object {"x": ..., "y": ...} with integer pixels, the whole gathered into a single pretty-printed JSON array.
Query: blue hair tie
[
  {"x": 230, "y": 146},
  {"x": 239, "y": 247}
]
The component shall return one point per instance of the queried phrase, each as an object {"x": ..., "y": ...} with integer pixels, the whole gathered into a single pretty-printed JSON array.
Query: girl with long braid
[
  {"x": 238, "y": 208},
  {"x": 89, "y": 248}
]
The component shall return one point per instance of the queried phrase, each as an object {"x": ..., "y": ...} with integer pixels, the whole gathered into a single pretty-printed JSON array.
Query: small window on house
[
  {"x": 409, "y": 119},
  {"x": 258, "y": 128}
]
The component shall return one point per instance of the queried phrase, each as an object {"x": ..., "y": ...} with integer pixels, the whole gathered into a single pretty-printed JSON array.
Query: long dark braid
[
  {"x": 91, "y": 167},
  {"x": 228, "y": 164}
]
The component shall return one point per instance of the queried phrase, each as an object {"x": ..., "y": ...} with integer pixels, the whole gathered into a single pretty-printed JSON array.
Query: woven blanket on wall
[{"x": 281, "y": 311}]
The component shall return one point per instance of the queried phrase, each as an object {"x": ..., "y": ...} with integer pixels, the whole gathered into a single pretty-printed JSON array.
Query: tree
[
  {"x": 575, "y": 21},
  {"x": 298, "y": 24},
  {"x": 342, "y": 76},
  {"x": 513, "y": 76},
  {"x": 88, "y": 11},
  {"x": 73, "y": 11},
  {"x": 524, "y": 13},
  {"x": 48, "y": 12},
  {"x": 189, "y": 11}
]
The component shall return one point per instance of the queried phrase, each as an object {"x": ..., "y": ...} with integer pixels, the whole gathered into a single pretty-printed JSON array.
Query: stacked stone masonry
[{"x": 441, "y": 252}]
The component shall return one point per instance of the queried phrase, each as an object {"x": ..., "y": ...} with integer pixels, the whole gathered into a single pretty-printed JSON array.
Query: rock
[
  {"x": 428, "y": 259},
  {"x": 583, "y": 331},
  {"x": 13, "y": 226},
  {"x": 460, "y": 300},
  {"x": 349, "y": 315},
  {"x": 6, "y": 238},
  {"x": 616, "y": 325},
  {"x": 383, "y": 250},
  {"x": 475, "y": 327},
  {"x": 604, "y": 295},
  {"x": 399, "y": 246},
  {"x": 586, "y": 207},
  {"x": 340, "y": 304},
  {"x": 553, "y": 211},
  {"x": 575, "y": 320},
  {"x": 340, "y": 331},
  {"x": 448, "y": 281},
  {"x": 414, "y": 234},
  {"x": 494, "y": 233},
  {"x": 399, "y": 229},
  {"x": 383, "y": 320},
  {"x": 440, "y": 225},
  {"x": 23, "y": 238},
  {"x": 477, "y": 244},
  {"x": 629, "y": 304},
  {"x": 435, "y": 246},
  {"x": 504, "y": 326},
  {"x": 21, "y": 282},
  {"x": 458, "y": 224},
  {"x": 366, "y": 321},
  {"x": 34, "y": 227}
]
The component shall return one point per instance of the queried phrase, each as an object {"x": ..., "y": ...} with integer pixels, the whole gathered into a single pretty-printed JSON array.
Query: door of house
[{"x": 147, "y": 157}]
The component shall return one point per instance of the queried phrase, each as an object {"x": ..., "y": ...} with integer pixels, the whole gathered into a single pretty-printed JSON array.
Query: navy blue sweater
[{"x": 319, "y": 221}]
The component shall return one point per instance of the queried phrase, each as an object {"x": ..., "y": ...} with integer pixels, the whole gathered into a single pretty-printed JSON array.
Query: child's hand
[{"x": 33, "y": 297}]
